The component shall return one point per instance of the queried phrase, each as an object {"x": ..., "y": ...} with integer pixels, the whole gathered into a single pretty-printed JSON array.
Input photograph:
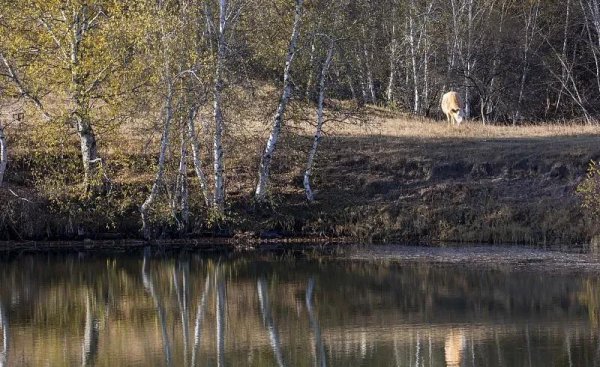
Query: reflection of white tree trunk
[
  {"x": 89, "y": 348},
  {"x": 149, "y": 286},
  {"x": 199, "y": 319},
  {"x": 5, "y": 339},
  {"x": 220, "y": 311},
  {"x": 320, "y": 357},
  {"x": 181, "y": 294},
  {"x": 265, "y": 308}
]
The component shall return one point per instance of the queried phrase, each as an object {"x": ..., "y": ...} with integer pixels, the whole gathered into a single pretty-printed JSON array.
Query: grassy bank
[{"x": 391, "y": 180}]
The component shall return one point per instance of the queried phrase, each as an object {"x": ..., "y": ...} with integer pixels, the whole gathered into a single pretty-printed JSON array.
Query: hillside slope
[{"x": 393, "y": 180}]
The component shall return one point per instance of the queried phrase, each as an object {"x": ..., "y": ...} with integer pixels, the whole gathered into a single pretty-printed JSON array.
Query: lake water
[{"x": 285, "y": 310}]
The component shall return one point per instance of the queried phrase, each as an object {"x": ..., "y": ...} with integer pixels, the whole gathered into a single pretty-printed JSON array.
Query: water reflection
[
  {"x": 4, "y": 325},
  {"x": 264, "y": 311}
]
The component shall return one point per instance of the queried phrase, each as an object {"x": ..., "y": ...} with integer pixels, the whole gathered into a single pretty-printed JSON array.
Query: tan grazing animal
[{"x": 453, "y": 108}]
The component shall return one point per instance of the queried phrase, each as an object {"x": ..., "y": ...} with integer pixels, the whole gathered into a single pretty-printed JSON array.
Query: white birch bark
[
  {"x": 219, "y": 189},
  {"x": 158, "y": 179},
  {"x": 267, "y": 156},
  {"x": 530, "y": 25},
  {"x": 320, "y": 120},
  {"x": 180, "y": 198},
  {"x": 197, "y": 156},
  {"x": 3, "y": 154},
  {"x": 368, "y": 60},
  {"x": 311, "y": 63},
  {"x": 393, "y": 49},
  {"x": 80, "y": 98},
  {"x": 569, "y": 84},
  {"x": 564, "y": 52},
  {"x": 470, "y": 25},
  {"x": 167, "y": 117},
  {"x": 413, "y": 56},
  {"x": 591, "y": 12},
  {"x": 362, "y": 79}
]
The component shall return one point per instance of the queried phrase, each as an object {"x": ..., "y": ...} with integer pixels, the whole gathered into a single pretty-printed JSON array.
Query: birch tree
[
  {"x": 74, "y": 58},
  {"x": 167, "y": 81},
  {"x": 591, "y": 12},
  {"x": 320, "y": 120},
  {"x": 219, "y": 192},
  {"x": 267, "y": 156},
  {"x": 531, "y": 20},
  {"x": 3, "y": 153}
]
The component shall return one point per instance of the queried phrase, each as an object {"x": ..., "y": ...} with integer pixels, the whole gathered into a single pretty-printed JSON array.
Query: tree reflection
[
  {"x": 220, "y": 315},
  {"x": 201, "y": 310},
  {"x": 90, "y": 335},
  {"x": 149, "y": 286},
  {"x": 5, "y": 340},
  {"x": 318, "y": 346},
  {"x": 182, "y": 296},
  {"x": 194, "y": 311},
  {"x": 268, "y": 322}
]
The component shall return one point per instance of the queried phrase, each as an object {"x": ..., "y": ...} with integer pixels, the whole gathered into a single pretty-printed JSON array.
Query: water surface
[{"x": 284, "y": 310}]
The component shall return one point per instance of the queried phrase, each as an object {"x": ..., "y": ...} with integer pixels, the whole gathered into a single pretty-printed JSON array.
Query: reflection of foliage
[
  {"x": 590, "y": 298},
  {"x": 58, "y": 296}
]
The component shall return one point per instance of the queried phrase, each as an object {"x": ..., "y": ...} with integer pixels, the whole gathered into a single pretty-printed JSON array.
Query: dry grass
[
  {"x": 394, "y": 125},
  {"x": 388, "y": 178}
]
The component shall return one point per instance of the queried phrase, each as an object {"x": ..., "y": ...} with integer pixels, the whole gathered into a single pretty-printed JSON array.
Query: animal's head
[{"x": 458, "y": 114}]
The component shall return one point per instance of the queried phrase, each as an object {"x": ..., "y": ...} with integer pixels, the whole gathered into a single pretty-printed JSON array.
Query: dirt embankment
[{"x": 395, "y": 181}]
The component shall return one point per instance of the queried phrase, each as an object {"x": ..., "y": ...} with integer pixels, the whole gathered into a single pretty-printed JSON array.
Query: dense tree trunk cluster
[{"x": 99, "y": 65}]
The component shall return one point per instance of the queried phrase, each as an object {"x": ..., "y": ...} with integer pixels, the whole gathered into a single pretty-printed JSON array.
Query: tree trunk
[
  {"x": 3, "y": 154},
  {"x": 219, "y": 192},
  {"x": 318, "y": 133},
  {"x": 530, "y": 24},
  {"x": 197, "y": 157},
  {"x": 181, "y": 195},
  {"x": 311, "y": 62},
  {"x": 168, "y": 116},
  {"x": 564, "y": 52},
  {"x": 392, "y": 79},
  {"x": 89, "y": 151},
  {"x": 265, "y": 161},
  {"x": 413, "y": 57}
]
